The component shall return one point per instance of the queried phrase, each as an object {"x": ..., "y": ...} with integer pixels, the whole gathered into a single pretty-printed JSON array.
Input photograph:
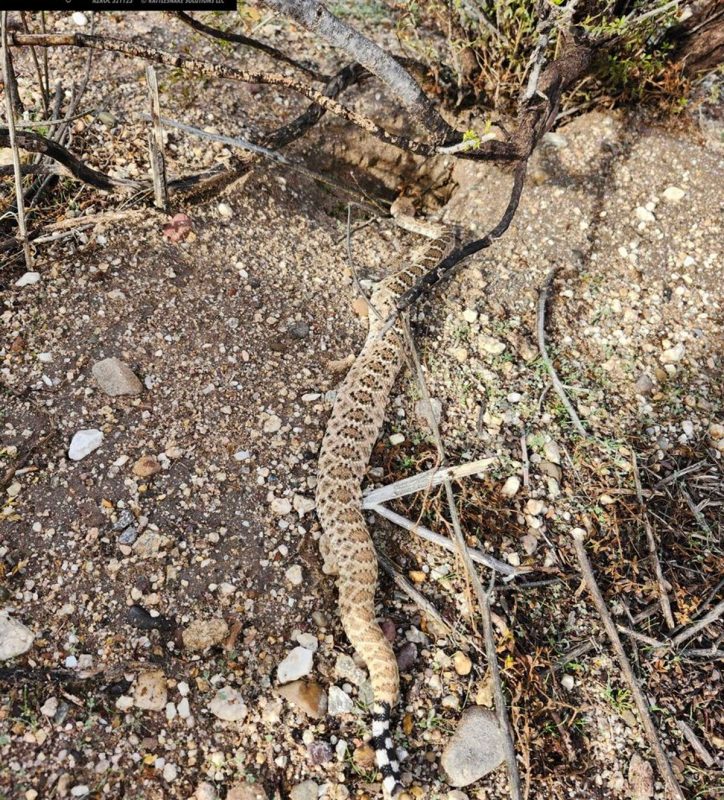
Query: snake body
[{"x": 346, "y": 545}]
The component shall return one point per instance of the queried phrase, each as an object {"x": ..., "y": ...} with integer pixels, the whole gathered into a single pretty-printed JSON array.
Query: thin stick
[
  {"x": 155, "y": 142},
  {"x": 424, "y": 604},
  {"x": 557, "y": 385},
  {"x": 482, "y": 596},
  {"x": 695, "y": 742},
  {"x": 9, "y": 82},
  {"x": 642, "y": 706},
  {"x": 444, "y": 542},
  {"x": 424, "y": 481},
  {"x": 526, "y": 462},
  {"x": 653, "y": 548},
  {"x": 692, "y": 630},
  {"x": 238, "y": 38},
  {"x": 272, "y": 155}
]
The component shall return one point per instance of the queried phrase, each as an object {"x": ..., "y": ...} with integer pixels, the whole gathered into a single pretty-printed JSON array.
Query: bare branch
[
  {"x": 653, "y": 548},
  {"x": 238, "y": 38},
  {"x": 641, "y": 703},
  {"x": 555, "y": 380},
  {"x": 9, "y": 79},
  {"x": 314, "y": 16}
]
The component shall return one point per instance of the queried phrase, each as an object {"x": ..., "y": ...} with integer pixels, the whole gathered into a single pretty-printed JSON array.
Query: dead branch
[
  {"x": 238, "y": 38},
  {"x": 314, "y": 16},
  {"x": 491, "y": 150},
  {"x": 35, "y": 143},
  {"x": 642, "y": 705},
  {"x": 10, "y": 82},
  {"x": 442, "y": 541},
  {"x": 704, "y": 622},
  {"x": 422, "y": 602},
  {"x": 155, "y": 143},
  {"x": 653, "y": 548},
  {"x": 555, "y": 380},
  {"x": 695, "y": 742},
  {"x": 481, "y": 595}
]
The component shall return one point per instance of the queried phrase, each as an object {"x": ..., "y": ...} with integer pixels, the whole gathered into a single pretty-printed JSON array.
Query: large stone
[
  {"x": 246, "y": 791},
  {"x": 339, "y": 701},
  {"x": 15, "y": 638},
  {"x": 297, "y": 664},
  {"x": 475, "y": 749},
  {"x": 640, "y": 778},
  {"x": 149, "y": 691},
  {"x": 203, "y": 633},
  {"x": 307, "y": 696},
  {"x": 116, "y": 378},
  {"x": 307, "y": 790},
  {"x": 228, "y": 705},
  {"x": 84, "y": 443}
]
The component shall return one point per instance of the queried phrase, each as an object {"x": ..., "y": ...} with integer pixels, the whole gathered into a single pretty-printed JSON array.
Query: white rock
[
  {"x": 149, "y": 691},
  {"x": 242, "y": 455},
  {"x": 280, "y": 506},
  {"x": 115, "y": 378},
  {"x": 79, "y": 19},
  {"x": 673, "y": 354},
  {"x": 475, "y": 749},
  {"x": 568, "y": 682},
  {"x": 14, "y": 489},
  {"x": 534, "y": 507},
  {"x": 339, "y": 702},
  {"x": 28, "y": 279},
  {"x": 15, "y": 638},
  {"x": 511, "y": 486},
  {"x": 225, "y": 211},
  {"x": 205, "y": 791},
  {"x": 307, "y": 790},
  {"x": 272, "y": 424},
  {"x": 308, "y": 641},
  {"x": 490, "y": 345},
  {"x": 170, "y": 773},
  {"x": 228, "y": 705},
  {"x": 673, "y": 194},
  {"x": 183, "y": 708},
  {"x": 470, "y": 315},
  {"x": 84, "y": 443},
  {"x": 644, "y": 214},
  {"x": 397, "y": 438},
  {"x": 80, "y": 790},
  {"x": 297, "y": 664},
  {"x": 303, "y": 505},
  {"x": 124, "y": 702},
  {"x": 294, "y": 575},
  {"x": 552, "y": 452},
  {"x": 49, "y": 707}
]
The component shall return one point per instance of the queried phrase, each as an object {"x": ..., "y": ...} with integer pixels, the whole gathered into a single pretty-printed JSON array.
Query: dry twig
[
  {"x": 155, "y": 143},
  {"x": 555, "y": 380},
  {"x": 642, "y": 705},
  {"x": 9, "y": 80},
  {"x": 653, "y": 548},
  {"x": 704, "y": 622},
  {"x": 482, "y": 596}
]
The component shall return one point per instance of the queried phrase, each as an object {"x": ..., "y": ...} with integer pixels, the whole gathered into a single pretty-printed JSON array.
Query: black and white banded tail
[{"x": 385, "y": 754}]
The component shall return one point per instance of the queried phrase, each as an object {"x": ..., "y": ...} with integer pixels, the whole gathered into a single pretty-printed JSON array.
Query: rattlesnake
[{"x": 346, "y": 546}]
